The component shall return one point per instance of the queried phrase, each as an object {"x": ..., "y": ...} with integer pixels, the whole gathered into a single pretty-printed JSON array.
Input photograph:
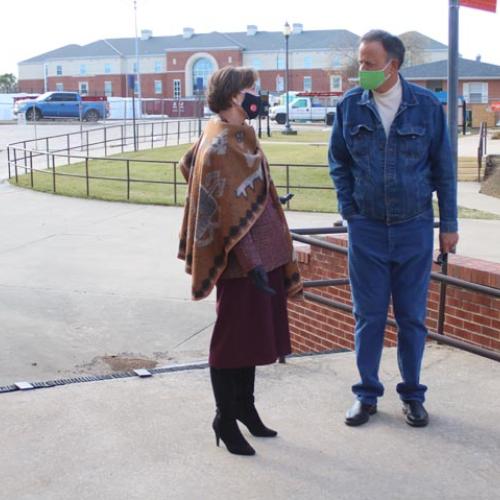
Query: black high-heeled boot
[
  {"x": 246, "y": 412},
  {"x": 224, "y": 425}
]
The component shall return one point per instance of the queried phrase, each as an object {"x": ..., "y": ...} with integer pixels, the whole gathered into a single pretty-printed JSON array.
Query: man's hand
[
  {"x": 448, "y": 242},
  {"x": 259, "y": 278}
]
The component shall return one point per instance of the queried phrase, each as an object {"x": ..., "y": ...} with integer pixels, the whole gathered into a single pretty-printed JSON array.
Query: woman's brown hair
[{"x": 225, "y": 84}]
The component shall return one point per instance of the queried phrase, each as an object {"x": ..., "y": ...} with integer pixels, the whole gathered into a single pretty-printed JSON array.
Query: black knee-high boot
[
  {"x": 224, "y": 424},
  {"x": 246, "y": 412}
]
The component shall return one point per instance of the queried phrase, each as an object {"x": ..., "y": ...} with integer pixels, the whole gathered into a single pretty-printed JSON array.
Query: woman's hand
[
  {"x": 286, "y": 198},
  {"x": 260, "y": 279}
]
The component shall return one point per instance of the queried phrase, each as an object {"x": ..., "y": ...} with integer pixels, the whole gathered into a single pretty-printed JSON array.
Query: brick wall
[
  {"x": 470, "y": 316},
  {"x": 320, "y": 79}
]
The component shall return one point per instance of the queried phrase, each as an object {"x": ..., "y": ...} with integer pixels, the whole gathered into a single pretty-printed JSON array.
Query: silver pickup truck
[{"x": 302, "y": 108}]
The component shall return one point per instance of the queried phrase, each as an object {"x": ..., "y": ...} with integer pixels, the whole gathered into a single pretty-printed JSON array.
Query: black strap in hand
[
  {"x": 260, "y": 279},
  {"x": 285, "y": 199}
]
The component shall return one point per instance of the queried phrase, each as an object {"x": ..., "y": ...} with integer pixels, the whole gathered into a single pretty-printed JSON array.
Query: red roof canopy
[{"x": 489, "y": 5}]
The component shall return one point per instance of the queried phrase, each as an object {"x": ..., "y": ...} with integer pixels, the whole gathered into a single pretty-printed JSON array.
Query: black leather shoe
[
  {"x": 359, "y": 413},
  {"x": 416, "y": 415}
]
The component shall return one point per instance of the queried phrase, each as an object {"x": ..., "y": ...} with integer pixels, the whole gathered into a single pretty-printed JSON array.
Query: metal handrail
[
  {"x": 481, "y": 149},
  {"x": 439, "y": 277}
]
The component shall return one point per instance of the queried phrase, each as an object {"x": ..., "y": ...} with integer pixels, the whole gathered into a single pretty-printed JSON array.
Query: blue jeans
[{"x": 390, "y": 260}]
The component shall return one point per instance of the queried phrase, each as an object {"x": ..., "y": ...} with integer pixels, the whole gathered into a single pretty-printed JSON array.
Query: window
[
  {"x": 158, "y": 67},
  {"x": 177, "y": 89},
  {"x": 174, "y": 61},
  {"x": 476, "y": 92},
  {"x": 62, "y": 97},
  {"x": 300, "y": 103},
  {"x": 257, "y": 64},
  {"x": 308, "y": 84},
  {"x": 230, "y": 59},
  {"x": 280, "y": 84},
  {"x": 308, "y": 62},
  {"x": 158, "y": 87},
  {"x": 59, "y": 70},
  {"x": 280, "y": 61},
  {"x": 66, "y": 97},
  {"x": 83, "y": 69},
  {"x": 335, "y": 83},
  {"x": 107, "y": 68},
  {"x": 59, "y": 86},
  {"x": 55, "y": 98},
  {"x": 202, "y": 69},
  {"x": 83, "y": 88},
  {"x": 108, "y": 89}
]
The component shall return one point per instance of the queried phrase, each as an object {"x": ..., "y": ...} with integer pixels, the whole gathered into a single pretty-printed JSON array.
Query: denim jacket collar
[{"x": 408, "y": 97}]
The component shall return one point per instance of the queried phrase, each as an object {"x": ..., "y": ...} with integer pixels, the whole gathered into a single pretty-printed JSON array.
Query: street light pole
[
  {"x": 137, "y": 68},
  {"x": 288, "y": 130},
  {"x": 453, "y": 22}
]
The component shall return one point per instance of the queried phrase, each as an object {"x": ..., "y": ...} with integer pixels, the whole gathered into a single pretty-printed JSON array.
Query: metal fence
[{"x": 46, "y": 156}]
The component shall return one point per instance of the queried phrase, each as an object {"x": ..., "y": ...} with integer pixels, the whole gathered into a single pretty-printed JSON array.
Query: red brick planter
[{"x": 470, "y": 316}]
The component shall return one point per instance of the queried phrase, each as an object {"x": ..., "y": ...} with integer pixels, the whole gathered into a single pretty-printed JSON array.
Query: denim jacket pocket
[
  {"x": 411, "y": 141},
  {"x": 360, "y": 139}
]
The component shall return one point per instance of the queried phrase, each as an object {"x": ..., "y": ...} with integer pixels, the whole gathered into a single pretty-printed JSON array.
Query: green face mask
[{"x": 371, "y": 80}]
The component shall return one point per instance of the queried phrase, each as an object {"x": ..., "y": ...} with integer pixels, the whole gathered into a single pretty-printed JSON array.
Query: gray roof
[
  {"x": 420, "y": 41},
  {"x": 261, "y": 41},
  {"x": 72, "y": 50},
  {"x": 157, "y": 45},
  {"x": 439, "y": 70},
  {"x": 317, "y": 39}
]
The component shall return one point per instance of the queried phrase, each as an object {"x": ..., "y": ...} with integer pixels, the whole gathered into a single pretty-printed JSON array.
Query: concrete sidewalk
[
  {"x": 467, "y": 145},
  {"x": 151, "y": 438},
  {"x": 90, "y": 287},
  {"x": 470, "y": 197}
]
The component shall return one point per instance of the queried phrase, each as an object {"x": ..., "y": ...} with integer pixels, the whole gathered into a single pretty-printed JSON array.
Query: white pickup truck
[{"x": 307, "y": 108}]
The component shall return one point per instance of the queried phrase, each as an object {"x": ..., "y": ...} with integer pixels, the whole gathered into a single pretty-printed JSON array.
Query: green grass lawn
[
  {"x": 317, "y": 136},
  {"x": 303, "y": 173}
]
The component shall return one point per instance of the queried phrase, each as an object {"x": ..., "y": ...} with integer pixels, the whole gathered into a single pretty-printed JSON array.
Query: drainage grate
[
  {"x": 140, "y": 373},
  {"x": 18, "y": 386}
]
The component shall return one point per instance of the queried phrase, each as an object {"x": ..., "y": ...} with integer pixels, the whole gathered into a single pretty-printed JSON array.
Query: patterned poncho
[{"x": 228, "y": 184}]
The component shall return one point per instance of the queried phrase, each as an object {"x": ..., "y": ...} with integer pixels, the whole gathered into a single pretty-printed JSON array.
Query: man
[{"x": 389, "y": 151}]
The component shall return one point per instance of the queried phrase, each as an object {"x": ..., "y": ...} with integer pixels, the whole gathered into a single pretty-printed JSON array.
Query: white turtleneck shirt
[{"x": 388, "y": 104}]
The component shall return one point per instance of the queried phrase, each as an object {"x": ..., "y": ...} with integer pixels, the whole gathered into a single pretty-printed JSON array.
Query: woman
[{"x": 234, "y": 235}]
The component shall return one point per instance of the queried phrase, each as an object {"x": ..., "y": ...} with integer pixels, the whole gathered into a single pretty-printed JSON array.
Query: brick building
[
  {"x": 478, "y": 84},
  {"x": 171, "y": 66}
]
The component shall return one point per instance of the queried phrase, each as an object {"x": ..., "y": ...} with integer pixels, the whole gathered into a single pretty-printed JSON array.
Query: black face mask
[{"x": 251, "y": 105}]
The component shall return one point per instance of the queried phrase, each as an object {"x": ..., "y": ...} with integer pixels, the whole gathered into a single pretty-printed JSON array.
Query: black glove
[
  {"x": 259, "y": 278},
  {"x": 286, "y": 198}
]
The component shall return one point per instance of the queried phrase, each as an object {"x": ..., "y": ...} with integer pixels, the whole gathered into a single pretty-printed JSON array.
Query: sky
[{"x": 32, "y": 27}]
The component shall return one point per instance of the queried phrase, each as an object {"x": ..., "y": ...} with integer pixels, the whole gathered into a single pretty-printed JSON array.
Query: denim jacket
[{"x": 392, "y": 178}]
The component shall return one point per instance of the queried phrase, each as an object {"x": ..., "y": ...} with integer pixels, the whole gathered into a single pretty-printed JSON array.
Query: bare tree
[
  {"x": 8, "y": 83},
  {"x": 350, "y": 68},
  {"x": 415, "y": 45}
]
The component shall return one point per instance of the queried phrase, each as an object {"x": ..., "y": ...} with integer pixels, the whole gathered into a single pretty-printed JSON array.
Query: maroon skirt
[{"x": 252, "y": 326}]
